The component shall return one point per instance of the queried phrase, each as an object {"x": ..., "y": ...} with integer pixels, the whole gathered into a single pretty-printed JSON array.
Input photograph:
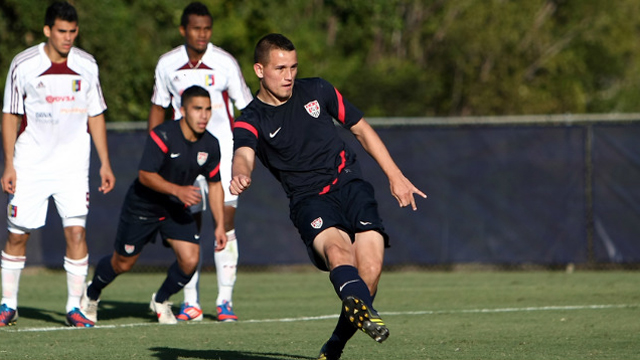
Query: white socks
[
  {"x": 76, "y": 275},
  {"x": 11, "y": 268},
  {"x": 192, "y": 289},
  {"x": 226, "y": 268}
]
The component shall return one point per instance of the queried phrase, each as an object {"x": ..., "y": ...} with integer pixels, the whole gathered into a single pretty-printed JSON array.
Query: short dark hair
[
  {"x": 193, "y": 91},
  {"x": 195, "y": 8},
  {"x": 268, "y": 43},
  {"x": 60, "y": 10}
]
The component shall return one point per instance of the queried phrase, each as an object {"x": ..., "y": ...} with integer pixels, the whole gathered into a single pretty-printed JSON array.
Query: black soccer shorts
[{"x": 351, "y": 207}]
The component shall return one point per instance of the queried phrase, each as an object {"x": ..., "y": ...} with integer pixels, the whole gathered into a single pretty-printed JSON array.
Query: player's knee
[{"x": 122, "y": 264}]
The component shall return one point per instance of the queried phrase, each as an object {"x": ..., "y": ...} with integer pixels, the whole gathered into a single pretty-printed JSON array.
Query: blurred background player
[
  {"x": 52, "y": 94},
  {"x": 199, "y": 62},
  {"x": 290, "y": 127},
  {"x": 158, "y": 201}
]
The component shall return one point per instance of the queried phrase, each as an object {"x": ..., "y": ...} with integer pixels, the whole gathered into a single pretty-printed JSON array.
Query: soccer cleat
[
  {"x": 188, "y": 312},
  {"x": 325, "y": 355},
  {"x": 8, "y": 316},
  {"x": 75, "y": 318},
  {"x": 225, "y": 312},
  {"x": 162, "y": 310},
  {"x": 88, "y": 307},
  {"x": 365, "y": 319}
]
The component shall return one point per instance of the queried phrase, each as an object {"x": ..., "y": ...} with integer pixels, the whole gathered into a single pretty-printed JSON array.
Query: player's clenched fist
[{"x": 239, "y": 183}]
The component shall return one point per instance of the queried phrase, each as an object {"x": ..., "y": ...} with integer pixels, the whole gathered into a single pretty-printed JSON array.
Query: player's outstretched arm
[
  {"x": 243, "y": 163},
  {"x": 401, "y": 188},
  {"x": 9, "y": 135},
  {"x": 216, "y": 203},
  {"x": 98, "y": 130}
]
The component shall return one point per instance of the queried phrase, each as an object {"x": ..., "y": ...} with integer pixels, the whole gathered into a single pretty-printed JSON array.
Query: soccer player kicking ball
[
  {"x": 290, "y": 128},
  {"x": 158, "y": 201}
]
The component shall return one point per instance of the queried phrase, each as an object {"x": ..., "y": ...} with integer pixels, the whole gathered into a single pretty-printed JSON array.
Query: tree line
[{"x": 388, "y": 57}]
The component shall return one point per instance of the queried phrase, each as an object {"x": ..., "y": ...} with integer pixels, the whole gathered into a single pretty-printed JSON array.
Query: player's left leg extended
[{"x": 227, "y": 267}]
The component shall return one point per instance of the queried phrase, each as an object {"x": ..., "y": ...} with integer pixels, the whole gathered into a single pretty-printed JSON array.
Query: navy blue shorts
[
  {"x": 351, "y": 208},
  {"x": 135, "y": 231}
]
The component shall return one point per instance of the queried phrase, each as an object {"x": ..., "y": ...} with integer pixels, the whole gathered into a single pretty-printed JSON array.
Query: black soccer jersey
[
  {"x": 298, "y": 141},
  {"x": 177, "y": 160}
]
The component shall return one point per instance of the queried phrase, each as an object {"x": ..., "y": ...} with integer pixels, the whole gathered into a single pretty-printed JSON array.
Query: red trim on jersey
[
  {"x": 340, "y": 168},
  {"x": 214, "y": 171},
  {"x": 244, "y": 125},
  {"x": 196, "y": 66},
  {"x": 225, "y": 98},
  {"x": 59, "y": 68},
  {"x": 341, "y": 116},
  {"x": 159, "y": 142}
]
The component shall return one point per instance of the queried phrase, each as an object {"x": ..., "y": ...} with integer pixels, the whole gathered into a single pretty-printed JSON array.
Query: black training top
[
  {"x": 177, "y": 160},
  {"x": 298, "y": 141}
]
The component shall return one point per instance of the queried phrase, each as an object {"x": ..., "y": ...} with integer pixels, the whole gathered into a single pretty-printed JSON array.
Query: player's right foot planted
[
  {"x": 8, "y": 316},
  {"x": 88, "y": 307},
  {"x": 365, "y": 319},
  {"x": 75, "y": 318},
  {"x": 162, "y": 310},
  {"x": 188, "y": 312},
  {"x": 225, "y": 312}
]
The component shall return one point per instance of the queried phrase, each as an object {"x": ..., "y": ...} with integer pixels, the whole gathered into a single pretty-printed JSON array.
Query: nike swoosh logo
[
  {"x": 347, "y": 283},
  {"x": 173, "y": 155},
  {"x": 273, "y": 134},
  {"x": 196, "y": 237},
  {"x": 365, "y": 223}
]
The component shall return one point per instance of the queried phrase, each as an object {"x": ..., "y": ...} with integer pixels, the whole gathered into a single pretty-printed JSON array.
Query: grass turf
[{"x": 289, "y": 315}]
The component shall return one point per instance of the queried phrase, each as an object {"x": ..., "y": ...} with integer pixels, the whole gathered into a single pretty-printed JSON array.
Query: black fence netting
[{"x": 507, "y": 194}]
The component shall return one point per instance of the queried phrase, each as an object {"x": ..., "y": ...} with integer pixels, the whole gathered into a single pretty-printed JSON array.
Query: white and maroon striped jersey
[
  {"x": 218, "y": 72},
  {"x": 55, "y": 101}
]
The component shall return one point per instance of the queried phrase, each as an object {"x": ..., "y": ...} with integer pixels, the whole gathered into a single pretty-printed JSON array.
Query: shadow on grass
[
  {"x": 165, "y": 353},
  {"x": 54, "y": 317},
  {"x": 111, "y": 310}
]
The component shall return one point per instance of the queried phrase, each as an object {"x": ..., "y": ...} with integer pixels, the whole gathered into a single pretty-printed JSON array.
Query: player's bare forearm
[
  {"x": 188, "y": 194},
  {"x": 9, "y": 135},
  {"x": 156, "y": 116},
  {"x": 216, "y": 203},
  {"x": 401, "y": 188},
  {"x": 98, "y": 131},
  {"x": 243, "y": 163}
]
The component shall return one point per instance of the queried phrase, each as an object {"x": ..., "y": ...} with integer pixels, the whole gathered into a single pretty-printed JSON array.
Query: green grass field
[{"x": 289, "y": 315}]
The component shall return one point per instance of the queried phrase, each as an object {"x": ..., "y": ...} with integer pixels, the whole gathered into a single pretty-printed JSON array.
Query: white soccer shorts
[{"x": 27, "y": 208}]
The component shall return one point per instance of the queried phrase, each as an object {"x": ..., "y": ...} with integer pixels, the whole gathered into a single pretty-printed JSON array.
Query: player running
[
  {"x": 158, "y": 201},
  {"x": 199, "y": 62}
]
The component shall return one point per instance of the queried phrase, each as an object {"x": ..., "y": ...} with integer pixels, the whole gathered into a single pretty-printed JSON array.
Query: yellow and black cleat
[{"x": 360, "y": 316}]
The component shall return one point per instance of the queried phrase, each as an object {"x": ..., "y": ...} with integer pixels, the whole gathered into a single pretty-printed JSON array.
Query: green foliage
[{"x": 389, "y": 57}]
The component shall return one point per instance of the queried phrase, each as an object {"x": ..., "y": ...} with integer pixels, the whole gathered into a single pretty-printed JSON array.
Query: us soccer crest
[
  {"x": 202, "y": 158},
  {"x": 317, "y": 223},
  {"x": 313, "y": 108}
]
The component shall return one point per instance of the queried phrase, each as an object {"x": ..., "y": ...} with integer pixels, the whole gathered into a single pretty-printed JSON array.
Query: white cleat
[
  {"x": 163, "y": 311},
  {"x": 88, "y": 307}
]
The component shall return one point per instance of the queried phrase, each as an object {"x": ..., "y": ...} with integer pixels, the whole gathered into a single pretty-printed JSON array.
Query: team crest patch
[
  {"x": 202, "y": 158},
  {"x": 209, "y": 80},
  {"x": 76, "y": 85},
  {"x": 12, "y": 210},
  {"x": 313, "y": 108},
  {"x": 129, "y": 249},
  {"x": 317, "y": 223}
]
